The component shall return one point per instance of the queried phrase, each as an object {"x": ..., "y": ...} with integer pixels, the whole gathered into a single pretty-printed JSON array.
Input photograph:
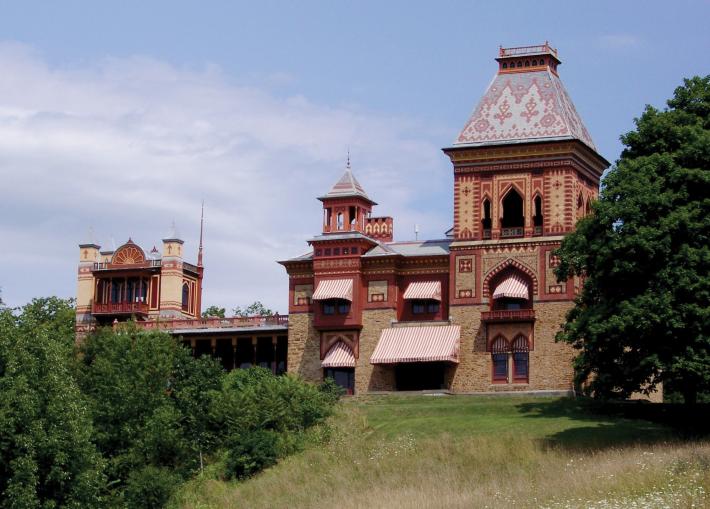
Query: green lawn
[{"x": 474, "y": 451}]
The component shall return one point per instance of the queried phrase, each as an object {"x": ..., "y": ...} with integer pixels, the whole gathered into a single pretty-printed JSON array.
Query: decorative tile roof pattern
[
  {"x": 521, "y": 107},
  {"x": 346, "y": 186}
]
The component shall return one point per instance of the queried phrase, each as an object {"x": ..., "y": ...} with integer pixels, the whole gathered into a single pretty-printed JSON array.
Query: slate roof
[
  {"x": 412, "y": 248},
  {"x": 523, "y": 107},
  {"x": 345, "y": 187}
]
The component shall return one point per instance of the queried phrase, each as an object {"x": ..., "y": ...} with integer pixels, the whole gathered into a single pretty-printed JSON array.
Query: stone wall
[
  {"x": 550, "y": 365},
  {"x": 304, "y": 347},
  {"x": 369, "y": 377}
]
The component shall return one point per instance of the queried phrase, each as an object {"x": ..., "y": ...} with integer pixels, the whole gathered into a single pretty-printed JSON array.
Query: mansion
[{"x": 473, "y": 312}]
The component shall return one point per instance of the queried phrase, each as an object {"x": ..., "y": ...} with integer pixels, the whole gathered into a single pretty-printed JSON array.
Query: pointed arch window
[
  {"x": 499, "y": 357},
  {"x": 521, "y": 359},
  {"x": 185, "y": 296},
  {"x": 580, "y": 206},
  {"x": 537, "y": 218},
  {"x": 513, "y": 220},
  {"x": 486, "y": 222}
]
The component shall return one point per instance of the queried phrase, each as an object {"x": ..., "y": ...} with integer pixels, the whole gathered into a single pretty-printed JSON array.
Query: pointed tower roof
[
  {"x": 347, "y": 187},
  {"x": 525, "y": 102}
]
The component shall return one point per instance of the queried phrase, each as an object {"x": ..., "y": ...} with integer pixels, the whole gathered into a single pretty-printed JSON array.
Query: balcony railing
[
  {"x": 216, "y": 323},
  {"x": 512, "y": 232},
  {"x": 527, "y": 50},
  {"x": 120, "y": 308},
  {"x": 537, "y": 230},
  {"x": 487, "y": 234},
  {"x": 508, "y": 315},
  {"x": 143, "y": 265}
]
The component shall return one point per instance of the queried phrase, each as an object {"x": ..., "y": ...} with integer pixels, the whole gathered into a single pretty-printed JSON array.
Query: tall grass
[{"x": 361, "y": 467}]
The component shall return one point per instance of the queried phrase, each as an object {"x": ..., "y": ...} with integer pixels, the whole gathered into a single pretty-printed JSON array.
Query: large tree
[
  {"x": 643, "y": 316},
  {"x": 47, "y": 458}
]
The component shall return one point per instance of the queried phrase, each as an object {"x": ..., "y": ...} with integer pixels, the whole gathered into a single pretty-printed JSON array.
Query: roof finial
[
  {"x": 202, "y": 224},
  {"x": 347, "y": 165}
]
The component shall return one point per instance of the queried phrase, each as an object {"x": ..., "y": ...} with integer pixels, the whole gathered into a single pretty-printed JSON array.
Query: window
[
  {"x": 185, "y": 296},
  {"x": 327, "y": 251},
  {"x": 505, "y": 66},
  {"x": 486, "y": 221},
  {"x": 346, "y": 250},
  {"x": 333, "y": 306},
  {"x": 499, "y": 356},
  {"x": 521, "y": 359},
  {"x": 513, "y": 210},
  {"x": 534, "y": 62},
  {"x": 336, "y": 251},
  {"x": 537, "y": 218},
  {"x": 344, "y": 377},
  {"x": 353, "y": 250},
  {"x": 115, "y": 292},
  {"x": 420, "y": 307},
  {"x": 340, "y": 220},
  {"x": 353, "y": 215},
  {"x": 319, "y": 252}
]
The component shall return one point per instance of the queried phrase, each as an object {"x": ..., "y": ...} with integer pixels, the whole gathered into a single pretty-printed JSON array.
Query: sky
[{"x": 118, "y": 118}]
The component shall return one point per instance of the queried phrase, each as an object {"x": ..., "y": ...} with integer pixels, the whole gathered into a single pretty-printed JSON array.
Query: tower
[{"x": 525, "y": 169}]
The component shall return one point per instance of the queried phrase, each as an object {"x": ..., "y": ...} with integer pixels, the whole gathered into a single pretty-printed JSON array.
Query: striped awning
[
  {"x": 418, "y": 344},
  {"x": 334, "y": 289},
  {"x": 424, "y": 290},
  {"x": 339, "y": 356},
  {"x": 513, "y": 287}
]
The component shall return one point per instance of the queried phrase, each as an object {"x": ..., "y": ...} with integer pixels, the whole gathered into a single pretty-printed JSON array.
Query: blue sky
[{"x": 123, "y": 117}]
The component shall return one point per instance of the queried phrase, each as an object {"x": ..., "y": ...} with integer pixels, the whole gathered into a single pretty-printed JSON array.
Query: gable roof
[{"x": 523, "y": 107}]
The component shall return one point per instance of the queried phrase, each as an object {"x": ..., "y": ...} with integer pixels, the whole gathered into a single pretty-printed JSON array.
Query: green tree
[
  {"x": 150, "y": 401},
  {"x": 254, "y": 309},
  {"x": 213, "y": 311},
  {"x": 47, "y": 458},
  {"x": 643, "y": 316}
]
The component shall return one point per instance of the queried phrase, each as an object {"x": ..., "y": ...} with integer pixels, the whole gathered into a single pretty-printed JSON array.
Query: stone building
[{"x": 478, "y": 310}]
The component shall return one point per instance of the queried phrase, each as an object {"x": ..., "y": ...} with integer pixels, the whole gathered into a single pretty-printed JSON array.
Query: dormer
[{"x": 346, "y": 207}]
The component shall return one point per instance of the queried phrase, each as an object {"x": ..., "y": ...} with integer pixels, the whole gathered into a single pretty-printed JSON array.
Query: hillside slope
[{"x": 425, "y": 451}]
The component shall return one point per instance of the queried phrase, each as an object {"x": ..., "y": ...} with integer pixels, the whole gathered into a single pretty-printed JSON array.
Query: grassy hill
[{"x": 429, "y": 451}]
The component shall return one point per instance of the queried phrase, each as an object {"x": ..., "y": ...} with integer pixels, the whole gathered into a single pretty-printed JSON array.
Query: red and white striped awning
[
  {"x": 513, "y": 287},
  {"x": 424, "y": 290},
  {"x": 418, "y": 344},
  {"x": 339, "y": 356},
  {"x": 334, "y": 289}
]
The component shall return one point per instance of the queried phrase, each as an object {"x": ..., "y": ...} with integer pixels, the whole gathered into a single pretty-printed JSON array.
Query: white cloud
[{"x": 127, "y": 145}]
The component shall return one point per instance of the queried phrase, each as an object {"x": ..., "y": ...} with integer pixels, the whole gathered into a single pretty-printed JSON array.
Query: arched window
[
  {"x": 185, "y": 296},
  {"x": 520, "y": 63},
  {"x": 513, "y": 220},
  {"x": 588, "y": 208},
  {"x": 542, "y": 61},
  {"x": 340, "y": 220},
  {"x": 580, "y": 206},
  {"x": 537, "y": 218},
  {"x": 499, "y": 355},
  {"x": 486, "y": 222},
  {"x": 534, "y": 62},
  {"x": 527, "y": 63},
  {"x": 353, "y": 216},
  {"x": 521, "y": 359},
  {"x": 505, "y": 66}
]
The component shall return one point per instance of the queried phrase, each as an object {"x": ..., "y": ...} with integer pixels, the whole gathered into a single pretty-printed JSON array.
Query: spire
[
  {"x": 347, "y": 186},
  {"x": 173, "y": 233},
  {"x": 202, "y": 224}
]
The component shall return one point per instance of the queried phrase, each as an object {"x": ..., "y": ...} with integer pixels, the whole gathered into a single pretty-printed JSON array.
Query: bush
[
  {"x": 251, "y": 451},
  {"x": 150, "y": 487}
]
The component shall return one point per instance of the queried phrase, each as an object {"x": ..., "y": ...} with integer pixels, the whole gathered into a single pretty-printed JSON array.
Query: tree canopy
[
  {"x": 214, "y": 311},
  {"x": 256, "y": 308},
  {"x": 643, "y": 315}
]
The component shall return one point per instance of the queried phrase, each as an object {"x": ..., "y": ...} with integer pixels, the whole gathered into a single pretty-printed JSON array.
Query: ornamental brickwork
[{"x": 525, "y": 170}]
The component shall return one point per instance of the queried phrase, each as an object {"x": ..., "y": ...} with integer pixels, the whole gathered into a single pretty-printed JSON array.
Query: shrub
[
  {"x": 150, "y": 487},
  {"x": 251, "y": 451}
]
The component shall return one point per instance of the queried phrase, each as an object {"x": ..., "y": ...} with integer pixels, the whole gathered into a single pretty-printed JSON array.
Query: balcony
[
  {"x": 143, "y": 265},
  {"x": 216, "y": 323},
  {"x": 507, "y": 233},
  {"x": 509, "y": 315},
  {"x": 120, "y": 308}
]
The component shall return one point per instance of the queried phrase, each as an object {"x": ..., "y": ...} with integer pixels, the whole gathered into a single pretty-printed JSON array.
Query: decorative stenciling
[
  {"x": 465, "y": 208},
  {"x": 377, "y": 291},
  {"x": 465, "y": 276},
  {"x": 302, "y": 294}
]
